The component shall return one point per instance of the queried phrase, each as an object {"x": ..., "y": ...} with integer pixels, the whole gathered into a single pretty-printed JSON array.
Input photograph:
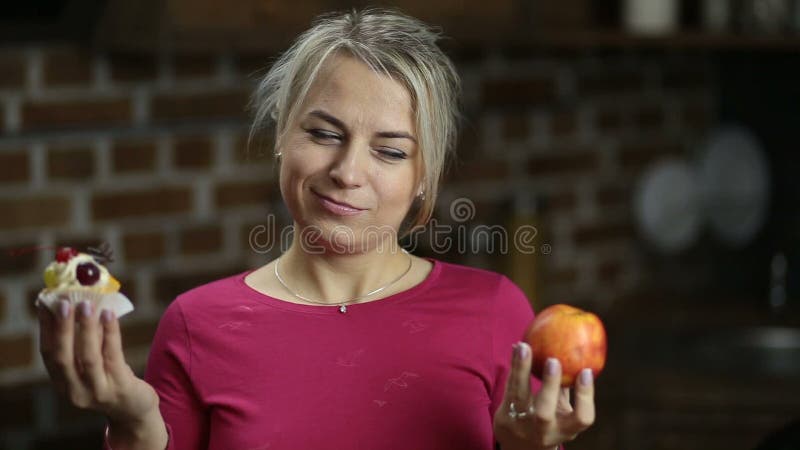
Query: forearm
[{"x": 147, "y": 434}]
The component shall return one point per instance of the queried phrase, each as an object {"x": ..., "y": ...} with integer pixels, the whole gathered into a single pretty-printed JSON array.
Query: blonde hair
[{"x": 391, "y": 43}]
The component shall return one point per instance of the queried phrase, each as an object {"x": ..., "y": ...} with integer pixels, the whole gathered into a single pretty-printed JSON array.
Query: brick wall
[{"x": 147, "y": 153}]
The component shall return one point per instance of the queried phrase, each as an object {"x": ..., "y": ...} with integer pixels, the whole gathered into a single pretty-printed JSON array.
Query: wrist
[{"x": 146, "y": 432}]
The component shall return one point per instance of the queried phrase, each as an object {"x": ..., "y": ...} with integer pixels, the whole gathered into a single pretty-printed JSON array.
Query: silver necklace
[{"x": 342, "y": 305}]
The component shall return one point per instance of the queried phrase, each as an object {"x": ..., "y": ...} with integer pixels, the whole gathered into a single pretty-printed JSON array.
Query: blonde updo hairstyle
[{"x": 391, "y": 43}]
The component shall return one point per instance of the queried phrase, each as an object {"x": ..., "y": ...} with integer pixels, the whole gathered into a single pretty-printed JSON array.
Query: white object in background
[
  {"x": 735, "y": 184},
  {"x": 650, "y": 17},
  {"x": 667, "y": 206},
  {"x": 716, "y": 15}
]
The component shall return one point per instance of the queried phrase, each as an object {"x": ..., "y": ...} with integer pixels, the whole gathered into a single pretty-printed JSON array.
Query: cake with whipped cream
[{"x": 77, "y": 276}]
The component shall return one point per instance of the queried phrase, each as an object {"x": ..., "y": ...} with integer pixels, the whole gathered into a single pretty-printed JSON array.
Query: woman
[{"x": 344, "y": 341}]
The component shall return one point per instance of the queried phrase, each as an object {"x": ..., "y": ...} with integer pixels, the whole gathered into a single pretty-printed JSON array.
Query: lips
[{"x": 343, "y": 204}]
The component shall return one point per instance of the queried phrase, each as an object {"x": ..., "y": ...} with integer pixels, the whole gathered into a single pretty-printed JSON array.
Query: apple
[{"x": 575, "y": 337}]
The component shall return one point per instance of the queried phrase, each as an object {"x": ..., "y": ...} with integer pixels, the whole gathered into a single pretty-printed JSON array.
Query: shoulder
[
  {"x": 210, "y": 294},
  {"x": 477, "y": 280}
]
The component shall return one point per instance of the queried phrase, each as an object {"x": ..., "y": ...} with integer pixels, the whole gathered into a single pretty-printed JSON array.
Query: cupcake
[{"x": 76, "y": 276}]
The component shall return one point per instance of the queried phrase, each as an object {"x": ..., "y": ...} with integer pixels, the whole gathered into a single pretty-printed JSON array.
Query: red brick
[
  {"x": 218, "y": 105},
  {"x": 31, "y": 293},
  {"x": 609, "y": 271},
  {"x": 253, "y": 65},
  {"x": 19, "y": 402},
  {"x": 560, "y": 276},
  {"x": 128, "y": 287},
  {"x": 239, "y": 193},
  {"x": 133, "y": 67},
  {"x": 12, "y": 70},
  {"x": 527, "y": 93},
  {"x": 3, "y": 306},
  {"x": 67, "y": 66},
  {"x": 609, "y": 120},
  {"x": 134, "y": 156},
  {"x": 170, "y": 285},
  {"x": 19, "y": 258},
  {"x": 564, "y": 163},
  {"x": 80, "y": 242},
  {"x": 611, "y": 82},
  {"x": 640, "y": 156},
  {"x": 68, "y": 437},
  {"x": 469, "y": 142},
  {"x": 612, "y": 196},
  {"x": 697, "y": 116},
  {"x": 559, "y": 201},
  {"x": 137, "y": 334},
  {"x": 14, "y": 166},
  {"x": 591, "y": 234},
  {"x": 260, "y": 150},
  {"x": 689, "y": 76},
  {"x": 75, "y": 113},
  {"x": 193, "y": 66},
  {"x": 27, "y": 211},
  {"x": 192, "y": 153},
  {"x": 206, "y": 239},
  {"x": 563, "y": 123},
  {"x": 515, "y": 126},
  {"x": 17, "y": 351},
  {"x": 479, "y": 171},
  {"x": 164, "y": 200},
  {"x": 70, "y": 163},
  {"x": 651, "y": 116},
  {"x": 66, "y": 413},
  {"x": 143, "y": 246}
]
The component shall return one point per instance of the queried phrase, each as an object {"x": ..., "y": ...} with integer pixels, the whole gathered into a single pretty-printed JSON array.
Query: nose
[{"x": 348, "y": 170}]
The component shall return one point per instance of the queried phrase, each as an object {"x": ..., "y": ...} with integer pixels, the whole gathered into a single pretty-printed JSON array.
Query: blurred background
[{"x": 651, "y": 143}]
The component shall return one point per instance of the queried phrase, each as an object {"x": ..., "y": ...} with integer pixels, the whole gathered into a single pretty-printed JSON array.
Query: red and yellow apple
[{"x": 575, "y": 337}]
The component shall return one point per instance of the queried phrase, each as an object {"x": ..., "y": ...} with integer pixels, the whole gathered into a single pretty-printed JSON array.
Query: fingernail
[
  {"x": 515, "y": 351},
  {"x": 63, "y": 308},
  {"x": 86, "y": 308},
  {"x": 586, "y": 377},
  {"x": 551, "y": 366},
  {"x": 524, "y": 350},
  {"x": 106, "y": 316}
]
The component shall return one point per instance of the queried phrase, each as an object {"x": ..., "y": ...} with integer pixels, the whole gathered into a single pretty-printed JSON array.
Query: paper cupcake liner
[{"x": 115, "y": 301}]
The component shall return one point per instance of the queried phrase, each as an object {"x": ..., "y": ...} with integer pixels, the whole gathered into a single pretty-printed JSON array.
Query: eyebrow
[{"x": 338, "y": 123}]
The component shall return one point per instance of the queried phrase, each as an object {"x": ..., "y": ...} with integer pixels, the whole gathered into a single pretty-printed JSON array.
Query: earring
[
  {"x": 421, "y": 195},
  {"x": 278, "y": 155}
]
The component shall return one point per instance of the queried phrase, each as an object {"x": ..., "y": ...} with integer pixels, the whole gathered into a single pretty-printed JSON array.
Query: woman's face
[{"x": 350, "y": 163}]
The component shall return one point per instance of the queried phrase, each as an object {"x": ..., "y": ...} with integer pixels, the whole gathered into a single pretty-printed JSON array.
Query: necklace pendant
[{"x": 342, "y": 309}]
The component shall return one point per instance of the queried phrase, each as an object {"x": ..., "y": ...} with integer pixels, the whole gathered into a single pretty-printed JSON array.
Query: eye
[
  {"x": 391, "y": 154},
  {"x": 324, "y": 137}
]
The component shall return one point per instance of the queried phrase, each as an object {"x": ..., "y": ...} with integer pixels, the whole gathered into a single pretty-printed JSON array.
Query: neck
[{"x": 333, "y": 277}]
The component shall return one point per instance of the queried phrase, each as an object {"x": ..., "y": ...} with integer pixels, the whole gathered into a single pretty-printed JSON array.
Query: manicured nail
[
  {"x": 86, "y": 308},
  {"x": 524, "y": 350},
  {"x": 63, "y": 308},
  {"x": 106, "y": 316},
  {"x": 586, "y": 377},
  {"x": 515, "y": 351},
  {"x": 551, "y": 366}
]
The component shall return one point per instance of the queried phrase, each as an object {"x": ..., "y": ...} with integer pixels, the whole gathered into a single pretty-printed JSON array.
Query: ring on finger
[{"x": 514, "y": 414}]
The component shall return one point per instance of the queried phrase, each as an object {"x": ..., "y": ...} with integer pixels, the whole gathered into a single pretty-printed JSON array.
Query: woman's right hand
[{"x": 82, "y": 352}]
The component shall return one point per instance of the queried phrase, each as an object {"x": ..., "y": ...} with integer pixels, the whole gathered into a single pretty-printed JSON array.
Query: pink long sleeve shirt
[{"x": 422, "y": 369}]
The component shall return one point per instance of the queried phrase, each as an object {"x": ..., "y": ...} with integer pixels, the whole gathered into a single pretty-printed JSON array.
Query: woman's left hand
[{"x": 551, "y": 420}]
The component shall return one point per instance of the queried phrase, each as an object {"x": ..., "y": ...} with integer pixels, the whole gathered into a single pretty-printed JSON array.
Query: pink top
[{"x": 421, "y": 369}]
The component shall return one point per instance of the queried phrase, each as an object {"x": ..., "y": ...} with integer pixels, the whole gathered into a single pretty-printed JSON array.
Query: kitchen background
[{"x": 650, "y": 142}]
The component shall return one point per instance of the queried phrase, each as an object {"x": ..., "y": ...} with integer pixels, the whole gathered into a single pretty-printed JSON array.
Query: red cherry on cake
[
  {"x": 87, "y": 273},
  {"x": 64, "y": 254}
]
